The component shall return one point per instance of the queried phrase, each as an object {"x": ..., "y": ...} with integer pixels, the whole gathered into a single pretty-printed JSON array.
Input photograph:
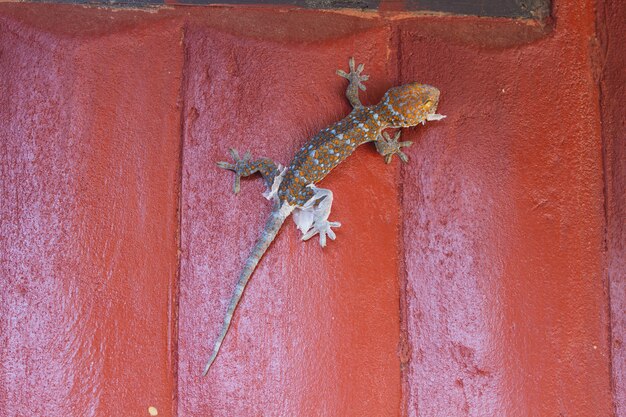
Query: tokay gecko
[{"x": 292, "y": 189}]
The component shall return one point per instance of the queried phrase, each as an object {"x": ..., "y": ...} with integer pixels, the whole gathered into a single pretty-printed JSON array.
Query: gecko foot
[
  {"x": 323, "y": 227},
  {"x": 239, "y": 167},
  {"x": 312, "y": 217},
  {"x": 388, "y": 147},
  {"x": 354, "y": 76}
]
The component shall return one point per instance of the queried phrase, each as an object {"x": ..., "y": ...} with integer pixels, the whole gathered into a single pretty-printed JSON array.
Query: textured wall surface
[
  {"x": 88, "y": 205},
  {"x": 504, "y": 224},
  {"x": 471, "y": 282},
  {"x": 611, "y": 17},
  {"x": 317, "y": 329}
]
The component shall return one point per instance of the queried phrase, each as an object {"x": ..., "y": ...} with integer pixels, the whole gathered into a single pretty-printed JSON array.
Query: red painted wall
[
  {"x": 612, "y": 35},
  {"x": 318, "y": 328},
  {"x": 504, "y": 223},
  {"x": 471, "y": 282},
  {"x": 89, "y": 144}
]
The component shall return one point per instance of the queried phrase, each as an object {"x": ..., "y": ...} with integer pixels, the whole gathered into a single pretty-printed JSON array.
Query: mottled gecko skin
[
  {"x": 401, "y": 107},
  {"x": 292, "y": 189}
]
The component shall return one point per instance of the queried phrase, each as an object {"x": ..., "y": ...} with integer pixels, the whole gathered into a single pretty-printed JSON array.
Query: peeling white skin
[
  {"x": 303, "y": 219},
  {"x": 286, "y": 209},
  {"x": 272, "y": 193},
  {"x": 312, "y": 217}
]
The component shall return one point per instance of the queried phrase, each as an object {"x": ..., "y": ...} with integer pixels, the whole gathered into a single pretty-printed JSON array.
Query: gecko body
[{"x": 293, "y": 190}]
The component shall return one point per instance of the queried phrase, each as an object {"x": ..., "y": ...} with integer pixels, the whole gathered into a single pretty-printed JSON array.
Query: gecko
[{"x": 292, "y": 189}]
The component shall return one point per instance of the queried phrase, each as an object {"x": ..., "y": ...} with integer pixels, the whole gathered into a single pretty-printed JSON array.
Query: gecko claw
[
  {"x": 225, "y": 165},
  {"x": 354, "y": 76},
  {"x": 312, "y": 217},
  {"x": 388, "y": 147},
  {"x": 323, "y": 227},
  {"x": 238, "y": 167}
]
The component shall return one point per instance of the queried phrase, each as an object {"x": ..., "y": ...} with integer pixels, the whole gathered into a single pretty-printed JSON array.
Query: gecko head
[{"x": 408, "y": 105}]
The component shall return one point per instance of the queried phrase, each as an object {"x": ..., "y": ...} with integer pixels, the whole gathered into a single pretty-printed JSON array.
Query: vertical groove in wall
[
  {"x": 611, "y": 89},
  {"x": 598, "y": 60},
  {"x": 181, "y": 160},
  {"x": 403, "y": 343}
]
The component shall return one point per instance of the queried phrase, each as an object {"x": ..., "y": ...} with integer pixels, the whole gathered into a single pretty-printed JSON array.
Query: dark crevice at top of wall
[
  {"x": 492, "y": 8},
  {"x": 525, "y": 9}
]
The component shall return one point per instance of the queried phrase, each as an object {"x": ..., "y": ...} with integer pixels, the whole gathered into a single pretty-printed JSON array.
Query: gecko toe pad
[
  {"x": 312, "y": 217},
  {"x": 323, "y": 227}
]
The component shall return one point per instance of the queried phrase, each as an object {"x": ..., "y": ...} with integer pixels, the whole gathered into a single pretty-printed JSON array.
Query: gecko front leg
[
  {"x": 312, "y": 217},
  {"x": 356, "y": 79},
  {"x": 388, "y": 147},
  {"x": 243, "y": 167}
]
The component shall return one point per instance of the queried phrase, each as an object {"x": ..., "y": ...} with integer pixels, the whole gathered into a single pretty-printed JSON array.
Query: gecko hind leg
[
  {"x": 243, "y": 167},
  {"x": 388, "y": 147},
  {"x": 356, "y": 83},
  {"x": 312, "y": 217}
]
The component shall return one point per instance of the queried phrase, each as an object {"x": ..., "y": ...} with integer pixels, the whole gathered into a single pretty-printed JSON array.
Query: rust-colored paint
[
  {"x": 612, "y": 34},
  {"x": 317, "y": 329},
  {"x": 504, "y": 225},
  {"x": 485, "y": 256},
  {"x": 89, "y": 137}
]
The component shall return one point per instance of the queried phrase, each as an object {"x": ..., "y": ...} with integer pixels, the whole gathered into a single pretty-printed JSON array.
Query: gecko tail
[{"x": 275, "y": 221}]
